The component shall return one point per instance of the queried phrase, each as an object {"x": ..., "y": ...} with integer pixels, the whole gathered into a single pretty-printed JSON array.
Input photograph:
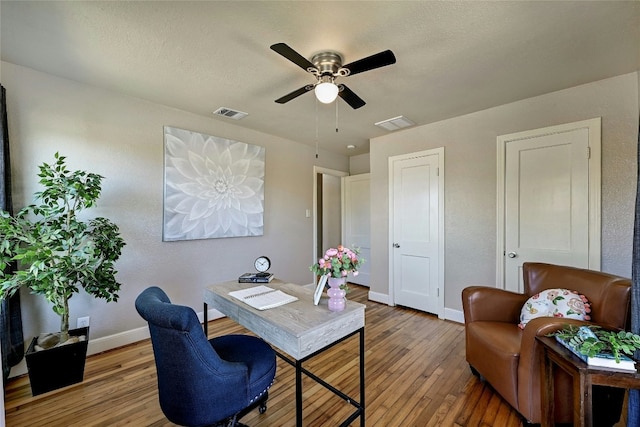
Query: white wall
[
  {"x": 359, "y": 164},
  {"x": 470, "y": 156},
  {"x": 121, "y": 138}
]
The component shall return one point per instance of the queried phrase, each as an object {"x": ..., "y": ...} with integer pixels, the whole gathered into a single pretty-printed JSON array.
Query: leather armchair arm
[{"x": 482, "y": 303}]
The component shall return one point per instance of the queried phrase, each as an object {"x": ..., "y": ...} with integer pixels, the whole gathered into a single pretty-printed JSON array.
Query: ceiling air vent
[
  {"x": 229, "y": 113},
  {"x": 395, "y": 123}
]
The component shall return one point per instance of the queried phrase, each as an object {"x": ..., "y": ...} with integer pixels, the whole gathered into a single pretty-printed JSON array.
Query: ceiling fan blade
[
  {"x": 378, "y": 60},
  {"x": 296, "y": 93},
  {"x": 293, "y": 56},
  {"x": 350, "y": 97}
]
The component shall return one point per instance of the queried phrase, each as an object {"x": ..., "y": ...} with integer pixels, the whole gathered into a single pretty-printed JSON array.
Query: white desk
[{"x": 300, "y": 329}]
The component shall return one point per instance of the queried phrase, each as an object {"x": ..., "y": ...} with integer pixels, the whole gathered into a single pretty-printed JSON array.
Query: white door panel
[
  {"x": 416, "y": 204},
  {"x": 546, "y": 200},
  {"x": 357, "y": 220}
]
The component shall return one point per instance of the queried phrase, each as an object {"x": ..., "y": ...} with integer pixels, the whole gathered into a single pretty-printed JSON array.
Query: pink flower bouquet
[{"x": 338, "y": 262}]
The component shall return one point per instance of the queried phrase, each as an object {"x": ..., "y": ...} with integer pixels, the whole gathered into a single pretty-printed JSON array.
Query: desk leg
[
  {"x": 298, "y": 393},
  {"x": 297, "y": 364},
  {"x": 205, "y": 315},
  {"x": 362, "y": 377},
  {"x": 547, "y": 393}
]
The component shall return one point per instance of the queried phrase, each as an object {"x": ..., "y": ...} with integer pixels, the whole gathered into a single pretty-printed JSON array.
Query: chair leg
[
  {"x": 231, "y": 422},
  {"x": 261, "y": 404},
  {"x": 476, "y": 373}
]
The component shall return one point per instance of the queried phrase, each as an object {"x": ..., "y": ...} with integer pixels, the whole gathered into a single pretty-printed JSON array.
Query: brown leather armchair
[{"x": 508, "y": 357}]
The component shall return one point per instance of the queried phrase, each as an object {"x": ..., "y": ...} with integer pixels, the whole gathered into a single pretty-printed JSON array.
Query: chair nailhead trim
[{"x": 263, "y": 392}]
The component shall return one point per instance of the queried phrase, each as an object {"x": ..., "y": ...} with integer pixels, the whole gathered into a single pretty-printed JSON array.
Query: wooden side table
[{"x": 584, "y": 377}]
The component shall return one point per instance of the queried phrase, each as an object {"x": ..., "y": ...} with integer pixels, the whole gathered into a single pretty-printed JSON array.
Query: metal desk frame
[{"x": 300, "y": 369}]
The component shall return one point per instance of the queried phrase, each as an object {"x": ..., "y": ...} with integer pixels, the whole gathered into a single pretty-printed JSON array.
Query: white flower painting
[{"x": 213, "y": 187}]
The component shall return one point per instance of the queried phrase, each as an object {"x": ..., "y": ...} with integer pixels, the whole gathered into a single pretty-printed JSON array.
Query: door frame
[
  {"x": 320, "y": 170},
  {"x": 441, "y": 174},
  {"x": 595, "y": 191}
]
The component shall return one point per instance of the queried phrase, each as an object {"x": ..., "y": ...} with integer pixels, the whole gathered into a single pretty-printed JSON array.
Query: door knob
[
  {"x": 512, "y": 255},
  {"x": 395, "y": 245}
]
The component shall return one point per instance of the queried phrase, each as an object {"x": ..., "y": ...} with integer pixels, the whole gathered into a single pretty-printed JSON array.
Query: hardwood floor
[{"x": 416, "y": 375}]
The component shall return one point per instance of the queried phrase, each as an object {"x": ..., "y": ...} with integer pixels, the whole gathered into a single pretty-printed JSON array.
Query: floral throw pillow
[{"x": 555, "y": 303}]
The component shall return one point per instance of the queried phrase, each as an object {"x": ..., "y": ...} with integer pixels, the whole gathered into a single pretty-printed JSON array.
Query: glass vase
[{"x": 337, "y": 301}]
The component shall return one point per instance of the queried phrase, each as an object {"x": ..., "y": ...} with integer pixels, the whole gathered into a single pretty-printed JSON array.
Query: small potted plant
[
  {"x": 593, "y": 341},
  {"x": 56, "y": 254}
]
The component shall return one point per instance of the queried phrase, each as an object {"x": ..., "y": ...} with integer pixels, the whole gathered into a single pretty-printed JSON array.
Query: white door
[
  {"x": 416, "y": 231},
  {"x": 547, "y": 199},
  {"x": 357, "y": 220}
]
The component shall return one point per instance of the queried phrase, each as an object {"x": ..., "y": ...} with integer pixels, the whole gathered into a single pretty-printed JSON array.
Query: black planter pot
[{"x": 59, "y": 366}]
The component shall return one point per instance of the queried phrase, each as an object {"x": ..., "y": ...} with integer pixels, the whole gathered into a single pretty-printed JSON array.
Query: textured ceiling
[{"x": 453, "y": 57}]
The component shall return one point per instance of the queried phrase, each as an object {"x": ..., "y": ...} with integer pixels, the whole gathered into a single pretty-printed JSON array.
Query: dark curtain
[
  {"x": 633, "y": 418},
  {"x": 10, "y": 317}
]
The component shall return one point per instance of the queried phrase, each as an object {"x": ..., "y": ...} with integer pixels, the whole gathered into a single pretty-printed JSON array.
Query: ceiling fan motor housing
[{"x": 327, "y": 63}]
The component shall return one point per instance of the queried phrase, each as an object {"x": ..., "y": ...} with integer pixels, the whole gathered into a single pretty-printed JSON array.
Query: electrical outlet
[{"x": 83, "y": 322}]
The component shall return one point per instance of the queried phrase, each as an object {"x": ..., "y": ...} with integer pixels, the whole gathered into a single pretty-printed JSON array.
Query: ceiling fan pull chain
[
  {"x": 316, "y": 128},
  {"x": 336, "y": 117}
]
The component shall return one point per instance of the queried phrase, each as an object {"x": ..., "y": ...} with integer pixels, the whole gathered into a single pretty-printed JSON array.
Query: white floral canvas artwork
[{"x": 213, "y": 187}]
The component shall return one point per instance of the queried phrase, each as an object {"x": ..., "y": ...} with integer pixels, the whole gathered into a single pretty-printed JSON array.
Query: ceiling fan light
[{"x": 326, "y": 92}]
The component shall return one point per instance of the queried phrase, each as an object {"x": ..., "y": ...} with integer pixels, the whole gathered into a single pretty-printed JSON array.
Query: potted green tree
[{"x": 47, "y": 248}]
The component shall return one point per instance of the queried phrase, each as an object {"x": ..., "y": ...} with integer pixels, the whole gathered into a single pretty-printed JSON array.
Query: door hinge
[
  {"x": 438, "y": 292},
  {"x": 437, "y": 171},
  {"x": 588, "y": 152}
]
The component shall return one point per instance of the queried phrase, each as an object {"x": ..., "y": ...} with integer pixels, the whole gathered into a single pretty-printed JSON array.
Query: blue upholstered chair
[{"x": 204, "y": 382}]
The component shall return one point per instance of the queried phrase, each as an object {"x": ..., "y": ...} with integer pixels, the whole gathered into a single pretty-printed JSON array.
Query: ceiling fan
[{"x": 327, "y": 67}]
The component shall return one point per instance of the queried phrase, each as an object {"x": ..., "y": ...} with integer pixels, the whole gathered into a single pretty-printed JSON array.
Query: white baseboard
[
  {"x": 110, "y": 342},
  {"x": 449, "y": 314},
  {"x": 378, "y": 297},
  {"x": 454, "y": 315}
]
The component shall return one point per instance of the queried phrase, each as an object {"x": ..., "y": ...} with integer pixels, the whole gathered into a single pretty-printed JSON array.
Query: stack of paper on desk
[{"x": 262, "y": 297}]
